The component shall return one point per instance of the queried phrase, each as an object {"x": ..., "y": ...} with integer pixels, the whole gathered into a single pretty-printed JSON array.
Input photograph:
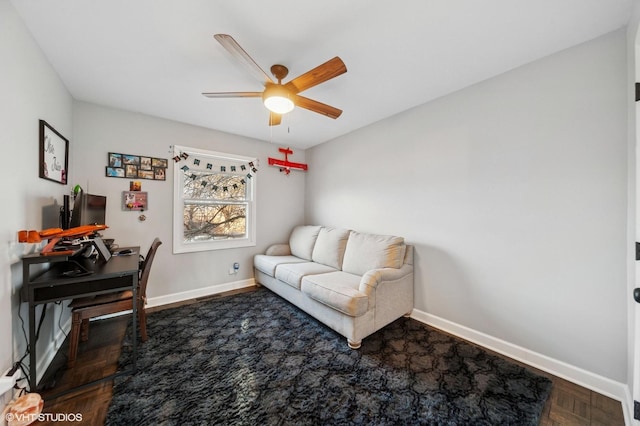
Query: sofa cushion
[
  {"x": 292, "y": 273},
  {"x": 330, "y": 245},
  {"x": 267, "y": 264},
  {"x": 278, "y": 250},
  {"x": 370, "y": 251},
  {"x": 338, "y": 290},
  {"x": 302, "y": 240}
]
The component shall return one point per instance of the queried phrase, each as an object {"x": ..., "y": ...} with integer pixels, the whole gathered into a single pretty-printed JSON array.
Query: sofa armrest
[
  {"x": 372, "y": 279},
  {"x": 390, "y": 293},
  {"x": 278, "y": 250}
]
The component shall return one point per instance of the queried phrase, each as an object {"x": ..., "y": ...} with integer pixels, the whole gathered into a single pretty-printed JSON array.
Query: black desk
[{"x": 120, "y": 273}]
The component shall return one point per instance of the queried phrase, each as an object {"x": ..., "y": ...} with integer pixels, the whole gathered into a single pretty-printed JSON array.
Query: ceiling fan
[{"x": 277, "y": 97}]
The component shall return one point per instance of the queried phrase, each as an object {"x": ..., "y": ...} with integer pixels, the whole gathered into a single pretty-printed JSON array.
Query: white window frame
[{"x": 179, "y": 246}]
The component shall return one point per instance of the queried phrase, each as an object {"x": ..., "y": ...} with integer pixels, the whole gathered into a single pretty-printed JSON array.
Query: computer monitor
[{"x": 88, "y": 209}]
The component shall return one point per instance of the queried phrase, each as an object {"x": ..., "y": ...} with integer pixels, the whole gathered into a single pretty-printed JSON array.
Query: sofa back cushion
[
  {"x": 369, "y": 251},
  {"x": 302, "y": 240},
  {"x": 330, "y": 246}
]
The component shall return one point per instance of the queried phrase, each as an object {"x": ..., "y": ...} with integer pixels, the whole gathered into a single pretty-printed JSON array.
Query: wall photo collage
[{"x": 136, "y": 167}]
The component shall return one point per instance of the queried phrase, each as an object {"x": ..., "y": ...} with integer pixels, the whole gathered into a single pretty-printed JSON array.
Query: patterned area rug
[{"x": 255, "y": 359}]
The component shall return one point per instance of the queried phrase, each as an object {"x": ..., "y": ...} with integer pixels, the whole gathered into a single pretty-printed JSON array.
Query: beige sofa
[{"x": 353, "y": 282}]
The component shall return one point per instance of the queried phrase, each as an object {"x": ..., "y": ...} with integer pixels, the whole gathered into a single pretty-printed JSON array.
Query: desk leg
[
  {"x": 32, "y": 345},
  {"x": 134, "y": 335}
]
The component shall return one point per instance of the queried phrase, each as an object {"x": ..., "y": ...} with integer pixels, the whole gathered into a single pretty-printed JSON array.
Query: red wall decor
[{"x": 286, "y": 165}]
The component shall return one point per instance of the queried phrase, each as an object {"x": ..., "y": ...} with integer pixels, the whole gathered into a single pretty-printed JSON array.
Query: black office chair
[{"x": 85, "y": 308}]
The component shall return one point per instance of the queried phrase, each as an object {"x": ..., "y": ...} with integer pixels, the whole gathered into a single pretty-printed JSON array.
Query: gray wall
[
  {"x": 633, "y": 55},
  {"x": 30, "y": 90},
  {"x": 99, "y": 130},
  {"x": 514, "y": 192}
]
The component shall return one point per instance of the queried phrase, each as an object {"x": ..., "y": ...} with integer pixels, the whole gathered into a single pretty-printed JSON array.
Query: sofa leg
[{"x": 354, "y": 345}]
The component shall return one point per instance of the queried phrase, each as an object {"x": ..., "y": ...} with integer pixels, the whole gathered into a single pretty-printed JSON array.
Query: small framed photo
[
  {"x": 54, "y": 154},
  {"x": 135, "y": 185},
  {"x": 115, "y": 172},
  {"x": 159, "y": 173},
  {"x": 115, "y": 160},
  {"x": 134, "y": 200},
  {"x": 131, "y": 159},
  {"x": 159, "y": 162},
  {"x": 145, "y": 163},
  {"x": 130, "y": 170},
  {"x": 145, "y": 174}
]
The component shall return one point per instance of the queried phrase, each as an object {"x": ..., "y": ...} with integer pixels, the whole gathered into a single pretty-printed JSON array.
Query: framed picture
[
  {"x": 136, "y": 166},
  {"x": 115, "y": 160},
  {"x": 130, "y": 171},
  {"x": 159, "y": 162},
  {"x": 134, "y": 200},
  {"x": 145, "y": 163},
  {"x": 115, "y": 172},
  {"x": 145, "y": 174},
  {"x": 131, "y": 159},
  {"x": 159, "y": 173},
  {"x": 54, "y": 154}
]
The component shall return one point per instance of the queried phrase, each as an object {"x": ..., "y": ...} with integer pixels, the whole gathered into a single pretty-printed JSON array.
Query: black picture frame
[
  {"x": 54, "y": 154},
  {"x": 130, "y": 166},
  {"x": 115, "y": 160}
]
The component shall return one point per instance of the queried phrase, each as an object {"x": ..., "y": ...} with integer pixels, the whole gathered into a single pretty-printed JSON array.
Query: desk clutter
[{"x": 63, "y": 241}]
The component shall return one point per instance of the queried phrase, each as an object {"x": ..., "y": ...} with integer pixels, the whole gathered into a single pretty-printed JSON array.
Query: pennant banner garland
[{"x": 203, "y": 165}]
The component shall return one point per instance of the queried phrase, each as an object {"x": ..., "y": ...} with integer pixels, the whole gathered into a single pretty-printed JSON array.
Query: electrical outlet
[{"x": 9, "y": 379}]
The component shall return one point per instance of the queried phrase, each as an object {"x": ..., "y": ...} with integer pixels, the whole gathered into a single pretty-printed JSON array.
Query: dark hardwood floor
[{"x": 569, "y": 404}]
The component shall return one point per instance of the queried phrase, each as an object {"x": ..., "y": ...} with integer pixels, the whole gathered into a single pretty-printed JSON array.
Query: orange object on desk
[
  {"x": 33, "y": 237},
  {"x": 25, "y": 236},
  {"x": 57, "y": 253},
  {"x": 54, "y": 235}
]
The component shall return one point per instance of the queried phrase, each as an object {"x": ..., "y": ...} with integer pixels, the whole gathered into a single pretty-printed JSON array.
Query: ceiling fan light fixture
[{"x": 277, "y": 99}]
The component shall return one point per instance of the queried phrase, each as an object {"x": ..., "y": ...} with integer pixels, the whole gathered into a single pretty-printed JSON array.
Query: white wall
[
  {"x": 514, "y": 192},
  {"x": 633, "y": 53},
  {"x": 30, "y": 90},
  {"x": 99, "y": 130}
]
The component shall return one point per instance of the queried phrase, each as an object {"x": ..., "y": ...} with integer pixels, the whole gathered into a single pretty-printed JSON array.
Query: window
[{"x": 214, "y": 200}]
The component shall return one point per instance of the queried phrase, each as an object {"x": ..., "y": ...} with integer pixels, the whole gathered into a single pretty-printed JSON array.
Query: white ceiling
[{"x": 157, "y": 56}]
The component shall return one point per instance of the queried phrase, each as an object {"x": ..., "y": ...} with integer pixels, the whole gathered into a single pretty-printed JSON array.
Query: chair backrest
[{"x": 146, "y": 268}]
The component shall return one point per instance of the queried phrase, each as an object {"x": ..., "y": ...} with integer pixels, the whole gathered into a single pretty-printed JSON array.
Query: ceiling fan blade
[
  {"x": 243, "y": 57},
  {"x": 274, "y": 119},
  {"x": 232, "y": 94},
  {"x": 330, "y": 69},
  {"x": 318, "y": 107}
]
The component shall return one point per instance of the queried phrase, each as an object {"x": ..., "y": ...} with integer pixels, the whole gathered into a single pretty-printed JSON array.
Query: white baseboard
[
  {"x": 579, "y": 376},
  {"x": 201, "y": 292}
]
